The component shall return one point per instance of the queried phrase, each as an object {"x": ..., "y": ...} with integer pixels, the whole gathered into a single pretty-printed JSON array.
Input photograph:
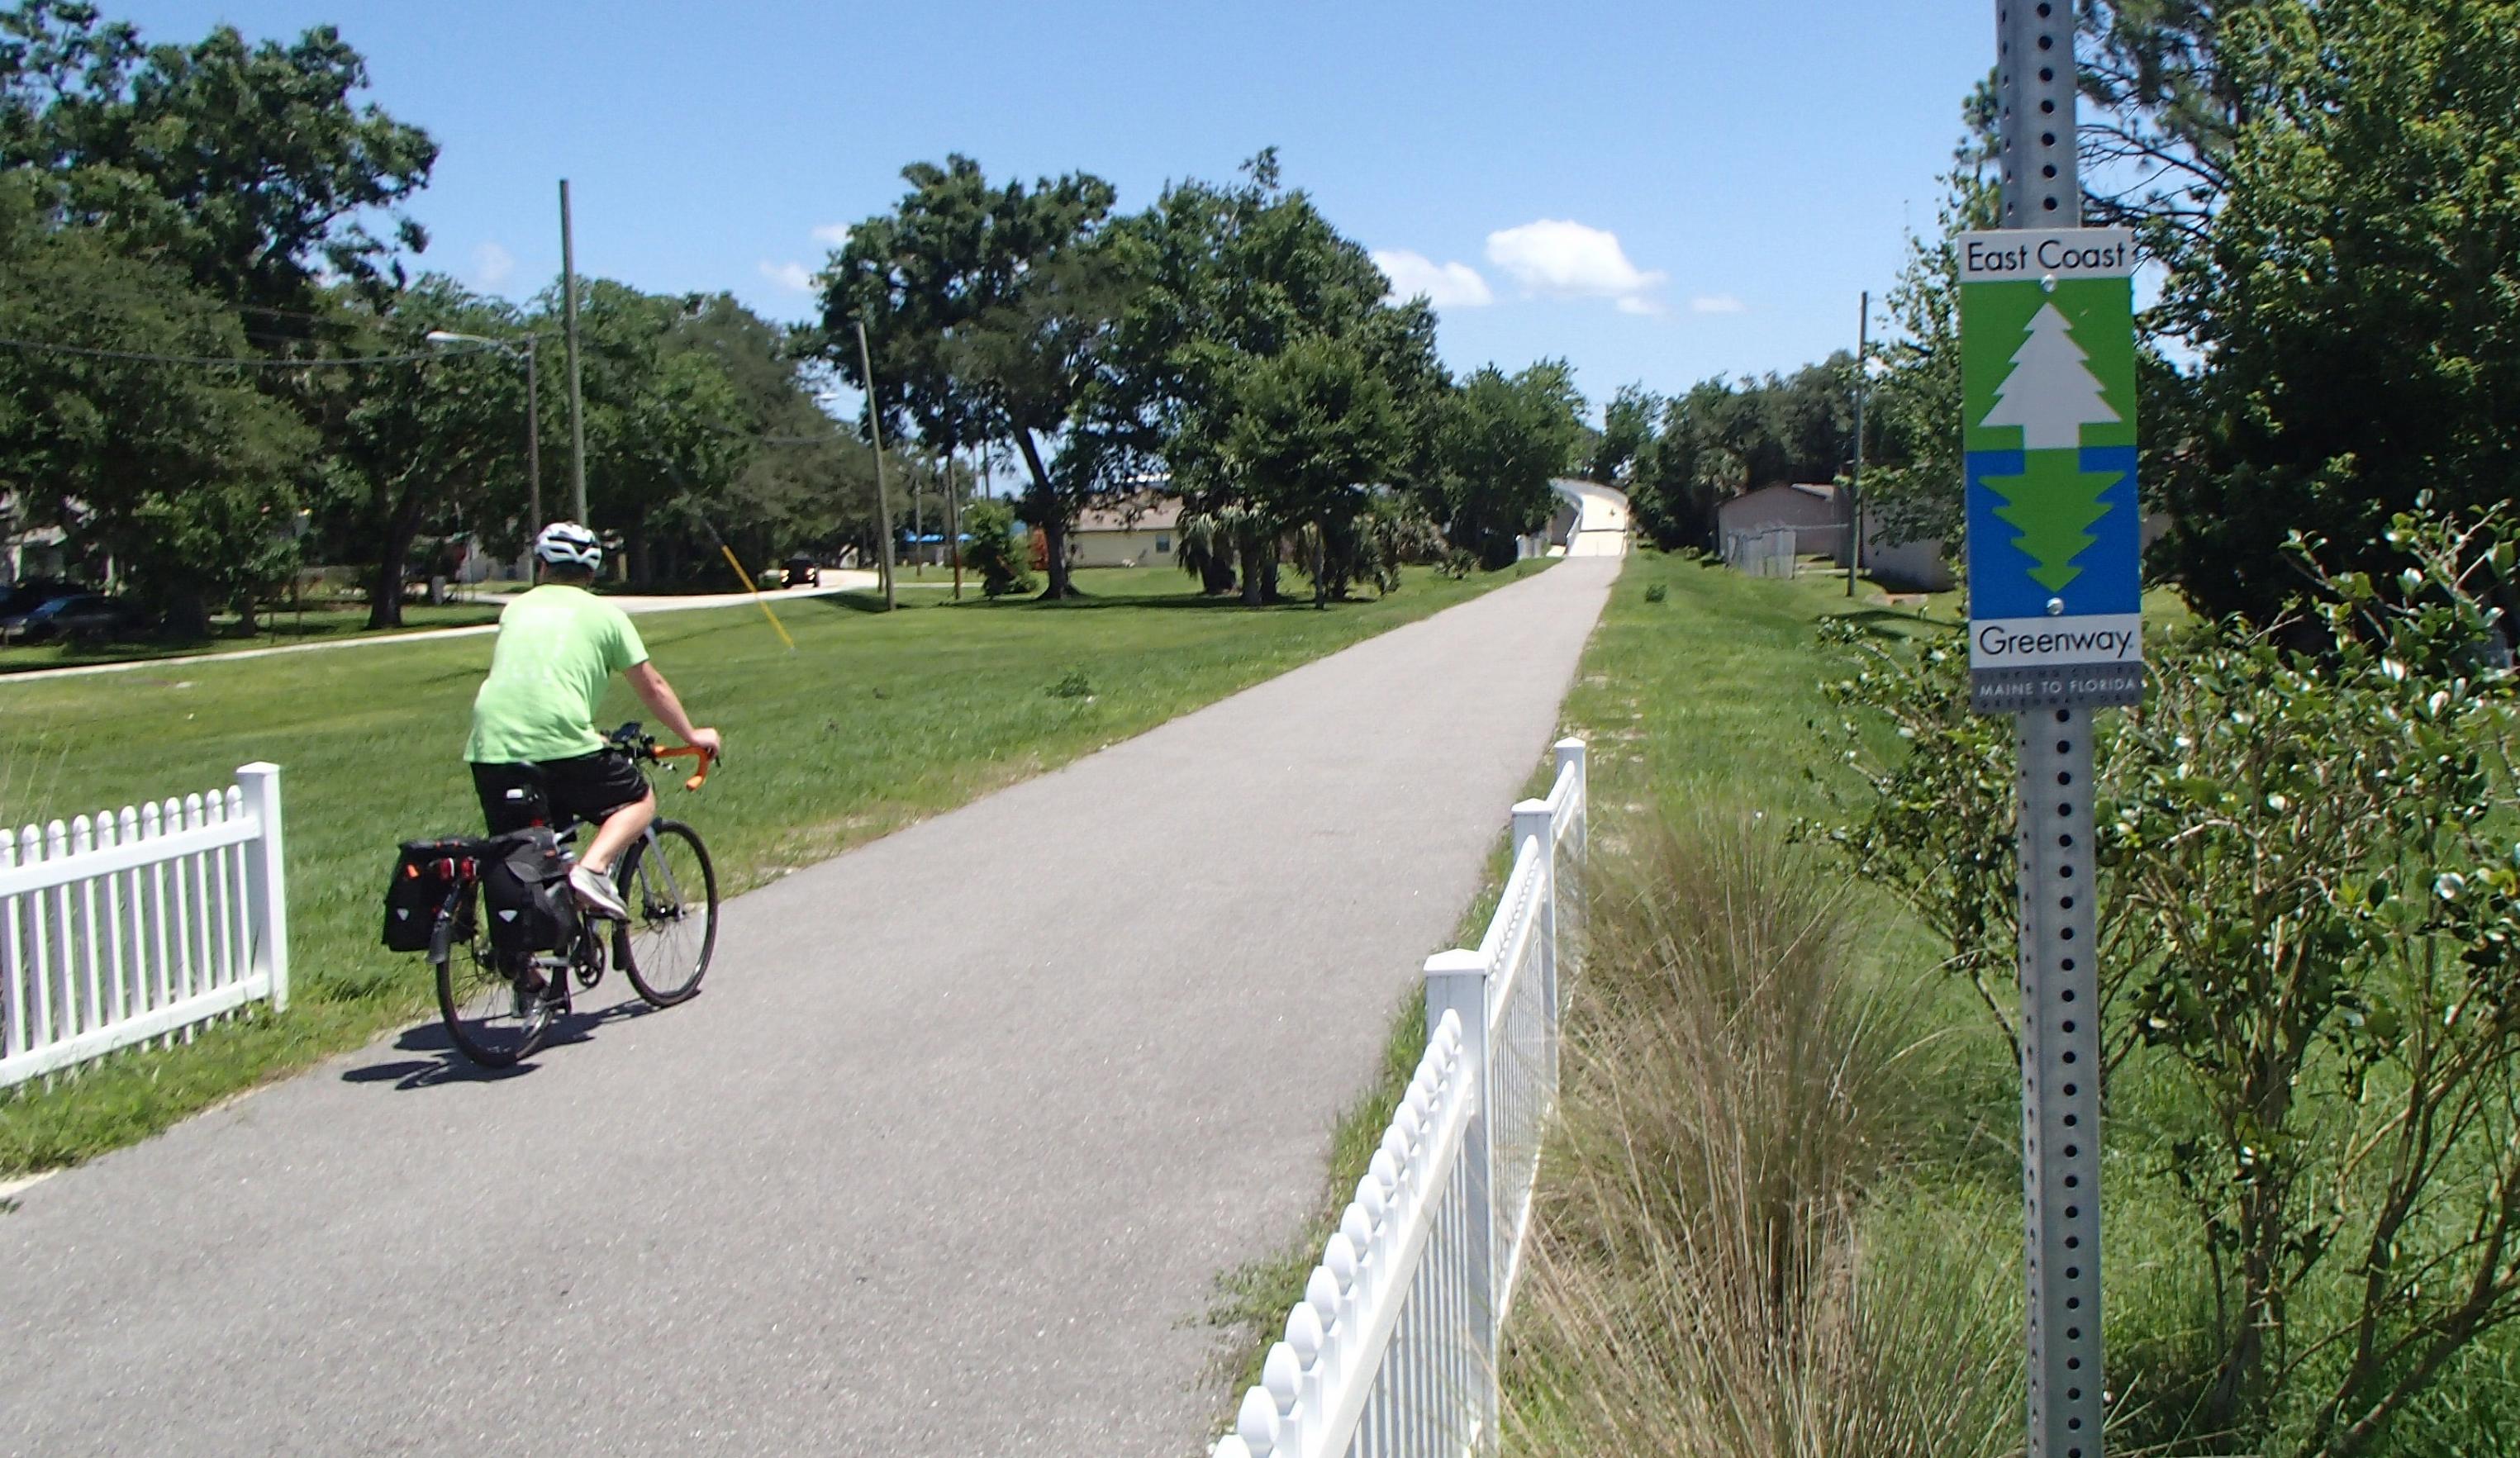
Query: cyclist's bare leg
[{"x": 618, "y": 829}]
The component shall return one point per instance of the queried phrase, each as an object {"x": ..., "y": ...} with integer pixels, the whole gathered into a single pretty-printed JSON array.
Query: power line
[{"x": 39, "y": 347}]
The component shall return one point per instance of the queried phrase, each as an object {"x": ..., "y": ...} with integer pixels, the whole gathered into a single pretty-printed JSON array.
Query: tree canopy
[
  {"x": 220, "y": 225},
  {"x": 223, "y": 226},
  {"x": 250, "y": 165},
  {"x": 1498, "y": 442},
  {"x": 2357, "y": 295},
  {"x": 981, "y": 306},
  {"x": 1723, "y": 436}
]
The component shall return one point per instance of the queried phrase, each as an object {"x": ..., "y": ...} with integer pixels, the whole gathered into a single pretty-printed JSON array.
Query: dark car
[
  {"x": 33, "y": 593},
  {"x": 82, "y": 615},
  {"x": 801, "y": 572}
]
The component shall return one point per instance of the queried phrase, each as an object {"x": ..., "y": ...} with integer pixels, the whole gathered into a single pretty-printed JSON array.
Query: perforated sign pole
[{"x": 2054, "y": 632}]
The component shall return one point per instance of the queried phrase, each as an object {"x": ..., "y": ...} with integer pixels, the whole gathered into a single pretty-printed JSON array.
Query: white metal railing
[
  {"x": 126, "y": 926},
  {"x": 1392, "y": 1354}
]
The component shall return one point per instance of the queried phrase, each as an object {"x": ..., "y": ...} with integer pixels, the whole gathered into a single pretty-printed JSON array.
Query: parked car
[
  {"x": 82, "y": 615},
  {"x": 33, "y": 593},
  {"x": 801, "y": 572}
]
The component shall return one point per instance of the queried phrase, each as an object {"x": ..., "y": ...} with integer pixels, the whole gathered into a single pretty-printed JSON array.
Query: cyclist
[{"x": 534, "y": 751}]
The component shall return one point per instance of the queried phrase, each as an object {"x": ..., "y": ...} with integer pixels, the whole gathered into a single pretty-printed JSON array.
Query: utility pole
[
  {"x": 954, "y": 526},
  {"x": 1855, "y": 491},
  {"x": 576, "y": 404},
  {"x": 875, "y": 430},
  {"x": 533, "y": 440}
]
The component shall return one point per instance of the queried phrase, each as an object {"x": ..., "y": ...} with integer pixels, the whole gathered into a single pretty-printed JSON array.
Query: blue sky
[{"x": 1656, "y": 192}]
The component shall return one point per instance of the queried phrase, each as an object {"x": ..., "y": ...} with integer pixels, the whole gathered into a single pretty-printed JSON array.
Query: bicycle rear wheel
[
  {"x": 492, "y": 1019},
  {"x": 671, "y": 889}
]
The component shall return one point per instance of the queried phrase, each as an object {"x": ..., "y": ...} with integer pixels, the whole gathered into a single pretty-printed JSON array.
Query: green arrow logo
[{"x": 2053, "y": 504}]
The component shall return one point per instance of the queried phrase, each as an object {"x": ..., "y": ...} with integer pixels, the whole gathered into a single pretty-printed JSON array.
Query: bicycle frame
[
  {"x": 653, "y": 860},
  {"x": 540, "y": 981},
  {"x": 650, "y": 858}
]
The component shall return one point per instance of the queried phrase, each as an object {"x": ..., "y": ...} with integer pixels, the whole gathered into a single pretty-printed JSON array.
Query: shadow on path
[{"x": 446, "y": 1064}]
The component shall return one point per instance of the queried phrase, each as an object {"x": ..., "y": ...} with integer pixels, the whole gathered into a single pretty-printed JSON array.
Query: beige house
[
  {"x": 1916, "y": 566},
  {"x": 1816, "y": 515},
  {"x": 1138, "y": 532}
]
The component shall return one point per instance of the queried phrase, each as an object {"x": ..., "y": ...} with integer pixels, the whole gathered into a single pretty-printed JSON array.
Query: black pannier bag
[
  {"x": 425, "y": 872},
  {"x": 525, "y": 891}
]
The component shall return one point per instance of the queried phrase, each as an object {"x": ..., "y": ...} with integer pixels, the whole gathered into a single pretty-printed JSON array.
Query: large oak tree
[{"x": 982, "y": 306}]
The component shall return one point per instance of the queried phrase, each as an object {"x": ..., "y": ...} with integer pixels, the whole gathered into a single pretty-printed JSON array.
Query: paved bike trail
[{"x": 944, "y": 1161}]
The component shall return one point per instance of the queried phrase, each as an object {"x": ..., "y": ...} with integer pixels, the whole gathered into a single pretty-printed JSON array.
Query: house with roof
[
  {"x": 1816, "y": 515},
  {"x": 1143, "y": 530}
]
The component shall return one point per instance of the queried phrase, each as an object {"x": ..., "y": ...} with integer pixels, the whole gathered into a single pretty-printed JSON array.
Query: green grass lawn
[
  {"x": 280, "y": 628},
  {"x": 1699, "y": 697},
  {"x": 1704, "y": 700},
  {"x": 876, "y": 721},
  {"x": 1710, "y": 700}
]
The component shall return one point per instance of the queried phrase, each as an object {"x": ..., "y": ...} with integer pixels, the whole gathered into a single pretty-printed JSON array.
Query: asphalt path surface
[
  {"x": 946, "y": 1158},
  {"x": 1602, "y": 527}
]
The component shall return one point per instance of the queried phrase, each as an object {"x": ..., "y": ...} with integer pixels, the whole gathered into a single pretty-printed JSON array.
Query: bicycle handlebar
[
  {"x": 629, "y": 739},
  {"x": 687, "y": 751}
]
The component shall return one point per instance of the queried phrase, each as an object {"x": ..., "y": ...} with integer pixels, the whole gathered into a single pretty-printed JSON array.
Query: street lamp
[{"x": 533, "y": 416}]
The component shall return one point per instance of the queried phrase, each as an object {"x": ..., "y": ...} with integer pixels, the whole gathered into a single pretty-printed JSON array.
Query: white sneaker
[{"x": 595, "y": 893}]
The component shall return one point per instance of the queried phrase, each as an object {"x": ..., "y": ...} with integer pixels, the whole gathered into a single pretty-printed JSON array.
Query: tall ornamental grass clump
[{"x": 1713, "y": 1276}]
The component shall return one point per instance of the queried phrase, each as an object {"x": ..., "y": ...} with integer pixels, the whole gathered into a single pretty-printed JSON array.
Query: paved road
[
  {"x": 1602, "y": 528},
  {"x": 945, "y": 1161},
  {"x": 834, "y": 581}
]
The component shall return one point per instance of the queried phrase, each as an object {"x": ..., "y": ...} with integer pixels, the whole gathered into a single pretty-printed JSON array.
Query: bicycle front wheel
[
  {"x": 492, "y": 1017},
  {"x": 671, "y": 889}
]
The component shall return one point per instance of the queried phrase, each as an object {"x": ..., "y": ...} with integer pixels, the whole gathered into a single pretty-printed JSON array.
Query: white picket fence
[
  {"x": 126, "y": 926},
  {"x": 1392, "y": 1353}
]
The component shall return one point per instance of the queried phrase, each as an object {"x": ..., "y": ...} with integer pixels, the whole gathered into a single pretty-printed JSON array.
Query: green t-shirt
[{"x": 558, "y": 646}]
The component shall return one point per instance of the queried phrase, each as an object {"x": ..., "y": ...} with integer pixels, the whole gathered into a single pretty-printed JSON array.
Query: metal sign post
[{"x": 2055, "y": 632}]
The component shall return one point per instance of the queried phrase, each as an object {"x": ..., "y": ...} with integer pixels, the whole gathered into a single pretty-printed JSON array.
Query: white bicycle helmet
[{"x": 565, "y": 544}]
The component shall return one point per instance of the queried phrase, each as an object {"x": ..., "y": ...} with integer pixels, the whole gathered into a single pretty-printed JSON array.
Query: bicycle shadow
[{"x": 448, "y": 1065}]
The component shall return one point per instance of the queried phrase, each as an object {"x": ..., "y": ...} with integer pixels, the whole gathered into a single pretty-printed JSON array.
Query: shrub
[
  {"x": 2310, "y": 913},
  {"x": 992, "y": 549}
]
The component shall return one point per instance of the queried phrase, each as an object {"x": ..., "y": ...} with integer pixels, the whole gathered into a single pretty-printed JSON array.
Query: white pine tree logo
[{"x": 2048, "y": 394}]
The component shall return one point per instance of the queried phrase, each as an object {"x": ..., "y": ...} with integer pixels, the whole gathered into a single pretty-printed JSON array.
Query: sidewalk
[{"x": 834, "y": 581}]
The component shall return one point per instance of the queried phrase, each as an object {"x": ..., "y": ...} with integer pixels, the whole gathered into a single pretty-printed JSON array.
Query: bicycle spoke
[
  {"x": 490, "y": 1017},
  {"x": 672, "y": 892}
]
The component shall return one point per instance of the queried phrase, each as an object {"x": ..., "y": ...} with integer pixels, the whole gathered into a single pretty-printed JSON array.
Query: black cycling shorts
[{"x": 588, "y": 787}]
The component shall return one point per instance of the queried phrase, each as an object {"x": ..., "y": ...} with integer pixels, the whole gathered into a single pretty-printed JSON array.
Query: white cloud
[
  {"x": 492, "y": 265},
  {"x": 796, "y": 278},
  {"x": 835, "y": 234},
  {"x": 1445, "y": 285},
  {"x": 1561, "y": 259},
  {"x": 1718, "y": 303}
]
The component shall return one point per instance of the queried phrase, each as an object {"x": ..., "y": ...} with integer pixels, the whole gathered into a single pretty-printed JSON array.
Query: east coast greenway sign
[{"x": 2048, "y": 380}]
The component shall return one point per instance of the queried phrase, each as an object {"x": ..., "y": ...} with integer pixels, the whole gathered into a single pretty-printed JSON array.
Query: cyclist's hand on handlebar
[{"x": 708, "y": 741}]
